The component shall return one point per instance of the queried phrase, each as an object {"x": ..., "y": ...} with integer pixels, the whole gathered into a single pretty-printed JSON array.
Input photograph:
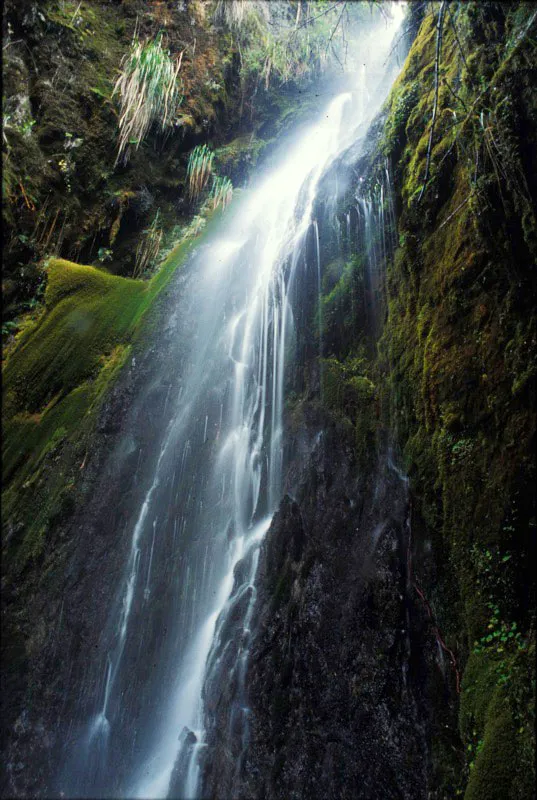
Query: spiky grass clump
[
  {"x": 221, "y": 193},
  {"x": 200, "y": 167},
  {"x": 149, "y": 91},
  {"x": 149, "y": 247}
]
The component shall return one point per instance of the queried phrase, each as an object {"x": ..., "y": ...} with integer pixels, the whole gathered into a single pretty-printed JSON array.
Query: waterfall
[{"x": 189, "y": 583}]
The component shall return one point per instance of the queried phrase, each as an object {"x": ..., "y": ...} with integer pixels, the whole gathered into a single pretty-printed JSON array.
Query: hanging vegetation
[
  {"x": 149, "y": 91},
  {"x": 200, "y": 167},
  {"x": 233, "y": 13},
  {"x": 148, "y": 247},
  {"x": 221, "y": 192},
  {"x": 284, "y": 42}
]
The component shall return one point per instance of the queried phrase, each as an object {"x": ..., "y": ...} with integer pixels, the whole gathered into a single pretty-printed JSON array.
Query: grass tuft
[
  {"x": 200, "y": 167},
  {"x": 221, "y": 193},
  {"x": 149, "y": 90}
]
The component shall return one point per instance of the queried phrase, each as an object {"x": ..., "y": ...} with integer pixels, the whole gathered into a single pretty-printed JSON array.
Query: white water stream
[{"x": 223, "y": 460}]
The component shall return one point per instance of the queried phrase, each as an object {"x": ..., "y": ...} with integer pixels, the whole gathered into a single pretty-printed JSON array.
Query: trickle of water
[{"x": 319, "y": 289}]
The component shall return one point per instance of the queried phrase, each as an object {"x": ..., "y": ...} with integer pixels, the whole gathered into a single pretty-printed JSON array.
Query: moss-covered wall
[{"x": 459, "y": 356}]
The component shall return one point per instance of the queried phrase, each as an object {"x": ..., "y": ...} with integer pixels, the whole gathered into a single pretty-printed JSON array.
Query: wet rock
[
  {"x": 332, "y": 682},
  {"x": 187, "y": 742}
]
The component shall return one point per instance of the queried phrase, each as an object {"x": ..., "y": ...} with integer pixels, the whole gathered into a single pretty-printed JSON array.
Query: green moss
[
  {"x": 492, "y": 771},
  {"x": 495, "y": 726},
  {"x": 352, "y": 397},
  {"x": 236, "y": 158},
  {"x": 88, "y": 313}
]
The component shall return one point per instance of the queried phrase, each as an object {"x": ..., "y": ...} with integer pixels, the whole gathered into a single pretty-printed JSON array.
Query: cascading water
[{"x": 189, "y": 582}]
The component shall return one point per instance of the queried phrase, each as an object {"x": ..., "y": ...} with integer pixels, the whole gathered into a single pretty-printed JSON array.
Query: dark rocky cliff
[{"x": 340, "y": 656}]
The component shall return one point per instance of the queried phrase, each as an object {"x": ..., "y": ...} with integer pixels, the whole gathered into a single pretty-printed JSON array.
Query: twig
[
  {"x": 458, "y": 40},
  {"x": 52, "y": 227},
  {"x": 454, "y": 212},
  {"x": 439, "y": 26},
  {"x": 311, "y": 19},
  {"x": 29, "y": 203},
  {"x": 76, "y": 12},
  {"x": 439, "y": 639},
  {"x": 455, "y": 95},
  {"x": 397, "y": 43}
]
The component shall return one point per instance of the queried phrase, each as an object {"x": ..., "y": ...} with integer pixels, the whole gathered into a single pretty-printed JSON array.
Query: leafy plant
[
  {"x": 104, "y": 254},
  {"x": 279, "y": 43},
  {"x": 149, "y": 91},
  {"x": 200, "y": 167}
]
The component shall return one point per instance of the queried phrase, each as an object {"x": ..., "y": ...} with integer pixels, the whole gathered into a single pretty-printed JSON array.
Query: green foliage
[
  {"x": 104, "y": 254},
  {"x": 281, "y": 43},
  {"x": 349, "y": 394},
  {"x": 343, "y": 305},
  {"x": 149, "y": 91}
]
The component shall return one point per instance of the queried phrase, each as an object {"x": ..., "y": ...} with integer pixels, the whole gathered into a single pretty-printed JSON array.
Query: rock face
[{"x": 338, "y": 660}]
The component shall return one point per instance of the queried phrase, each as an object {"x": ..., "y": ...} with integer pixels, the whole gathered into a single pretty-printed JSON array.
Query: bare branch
[
  {"x": 457, "y": 39},
  {"x": 455, "y": 95},
  {"x": 311, "y": 19}
]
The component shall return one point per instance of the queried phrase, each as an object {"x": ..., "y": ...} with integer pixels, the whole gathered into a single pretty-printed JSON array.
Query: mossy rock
[
  {"x": 461, "y": 382},
  {"x": 88, "y": 312}
]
